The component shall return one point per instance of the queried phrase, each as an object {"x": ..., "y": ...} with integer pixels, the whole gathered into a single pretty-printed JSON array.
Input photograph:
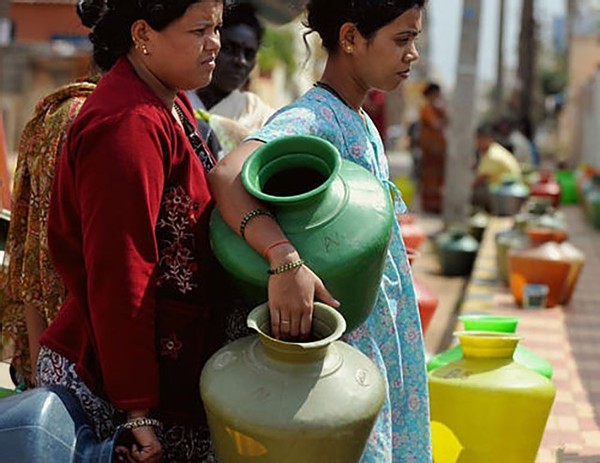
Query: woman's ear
[
  {"x": 347, "y": 37},
  {"x": 140, "y": 35}
]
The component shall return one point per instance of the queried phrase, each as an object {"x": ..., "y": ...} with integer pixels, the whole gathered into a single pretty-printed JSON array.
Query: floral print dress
[
  {"x": 391, "y": 336},
  {"x": 28, "y": 276}
]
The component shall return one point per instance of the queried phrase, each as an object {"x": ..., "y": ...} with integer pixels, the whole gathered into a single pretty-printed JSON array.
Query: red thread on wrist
[{"x": 274, "y": 245}]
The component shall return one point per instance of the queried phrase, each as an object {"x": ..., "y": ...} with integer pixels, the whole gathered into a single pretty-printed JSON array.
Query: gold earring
[{"x": 145, "y": 49}]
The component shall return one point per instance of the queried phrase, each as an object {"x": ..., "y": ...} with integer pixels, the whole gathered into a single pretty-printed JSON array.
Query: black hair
[
  {"x": 111, "y": 34},
  {"x": 89, "y": 11},
  {"x": 243, "y": 13},
  {"x": 431, "y": 88},
  {"x": 325, "y": 17}
]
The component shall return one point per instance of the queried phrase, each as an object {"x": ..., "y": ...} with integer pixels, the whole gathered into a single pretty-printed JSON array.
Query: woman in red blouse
[{"x": 128, "y": 235}]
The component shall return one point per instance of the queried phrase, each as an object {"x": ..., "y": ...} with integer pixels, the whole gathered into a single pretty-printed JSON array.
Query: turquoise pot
[{"x": 336, "y": 213}]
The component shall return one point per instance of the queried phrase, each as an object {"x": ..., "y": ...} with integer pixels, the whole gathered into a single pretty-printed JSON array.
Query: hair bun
[{"x": 90, "y": 11}]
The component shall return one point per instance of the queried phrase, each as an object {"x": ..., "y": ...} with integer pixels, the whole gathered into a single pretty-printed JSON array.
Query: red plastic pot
[
  {"x": 427, "y": 301},
  {"x": 547, "y": 187},
  {"x": 412, "y": 233}
]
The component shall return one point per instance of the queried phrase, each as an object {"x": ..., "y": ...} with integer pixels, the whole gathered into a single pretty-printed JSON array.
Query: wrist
[
  {"x": 139, "y": 413},
  {"x": 141, "y": 422},
  {"x": 272, "y": 246},
  {"x": 282, "y": 254},
  {"x": 282, "y": 268}
]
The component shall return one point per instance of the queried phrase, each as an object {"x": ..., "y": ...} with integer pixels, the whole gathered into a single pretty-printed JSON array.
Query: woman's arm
[{"x": 291, "y": 293}]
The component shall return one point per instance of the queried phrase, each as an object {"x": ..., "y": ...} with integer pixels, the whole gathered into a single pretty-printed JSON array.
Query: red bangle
[{"x": 274, "y": 245}]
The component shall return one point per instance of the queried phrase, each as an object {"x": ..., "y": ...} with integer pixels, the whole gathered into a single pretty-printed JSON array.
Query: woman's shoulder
[
  {"x": 120, "y": 95},
  {"x": 121, "y": 104},
  {"x": 120, "y": 120},
  {"x": 311, "y": 114}
]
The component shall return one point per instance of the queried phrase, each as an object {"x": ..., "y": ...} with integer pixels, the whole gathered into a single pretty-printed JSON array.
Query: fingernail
[{"x": 337, "y": 303}]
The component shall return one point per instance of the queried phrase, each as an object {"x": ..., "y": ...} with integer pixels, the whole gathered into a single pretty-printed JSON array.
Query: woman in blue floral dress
[{"x": 370, "y": 45}]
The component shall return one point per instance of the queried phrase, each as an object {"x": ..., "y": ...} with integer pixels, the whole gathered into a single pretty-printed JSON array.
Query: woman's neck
[
  {"x": 344, "y": 85},
  {"x": 164, "y": 93},
  {"x": 211, "y": 96}
]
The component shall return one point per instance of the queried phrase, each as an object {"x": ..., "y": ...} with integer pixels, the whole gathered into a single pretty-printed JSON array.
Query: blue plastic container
[{"x": 48, "y": 425}]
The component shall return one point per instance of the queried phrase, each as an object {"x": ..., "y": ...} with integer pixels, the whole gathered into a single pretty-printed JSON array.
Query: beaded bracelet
[
  {"x": 249, "y": 216},
  {"x": 285, "y": 267},
  {"x": 140, "y": 422}
]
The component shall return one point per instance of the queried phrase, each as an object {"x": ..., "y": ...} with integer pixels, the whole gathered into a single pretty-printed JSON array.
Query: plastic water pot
[
  {"x": 496, "y": 323},
  {"x": 568, "y": 187},
  {"x": 508, "y": 197},
  {"x": 513, "y": 238},
  {"x": 544, "y": 265},
  {"x": 457, "y": 251},
  {"x": 48, "y": 425},
  {"x": 271, "y": 401},
  {"x": 547, "y": 187},
  {"x": 486, "y": 407},
  {"x": 336, "y": 213}
]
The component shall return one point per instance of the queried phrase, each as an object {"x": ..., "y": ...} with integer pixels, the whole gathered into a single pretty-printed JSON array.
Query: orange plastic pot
[
  {"x": 576, "y": 259},
  {"x": 541, "y": 235},
  {"x": 539, "y": 265}
]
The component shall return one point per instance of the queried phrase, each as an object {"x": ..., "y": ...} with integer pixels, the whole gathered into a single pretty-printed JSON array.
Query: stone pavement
[{"x": 568, "y": 337}]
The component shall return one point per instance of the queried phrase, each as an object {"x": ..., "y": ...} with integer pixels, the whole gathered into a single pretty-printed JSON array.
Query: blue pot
[{"x": 48, "y": 425}]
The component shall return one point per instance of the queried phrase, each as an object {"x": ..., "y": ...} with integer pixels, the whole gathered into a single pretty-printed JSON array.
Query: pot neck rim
[
  {"x": 488, "y": 344},
  {"x": 328, "y": 326},
  {"x": 290, "y": 152}
]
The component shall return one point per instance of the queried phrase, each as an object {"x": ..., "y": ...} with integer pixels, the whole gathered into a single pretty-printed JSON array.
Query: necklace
[{"x": 334, "y": 92}]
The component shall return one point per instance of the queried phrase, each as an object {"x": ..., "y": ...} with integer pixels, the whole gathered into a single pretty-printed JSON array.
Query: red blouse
[{"x": 128, "y": 234}]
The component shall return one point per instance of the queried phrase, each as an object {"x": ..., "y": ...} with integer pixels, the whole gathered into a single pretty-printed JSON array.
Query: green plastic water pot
[{"x": 336, "y": 213}]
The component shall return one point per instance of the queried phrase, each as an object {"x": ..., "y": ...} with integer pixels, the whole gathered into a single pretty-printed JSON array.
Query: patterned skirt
[{"x": 181, "y": 444}]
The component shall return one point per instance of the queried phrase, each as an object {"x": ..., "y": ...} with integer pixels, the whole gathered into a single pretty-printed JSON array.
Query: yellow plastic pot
[{"x": 487, "y": 408}]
